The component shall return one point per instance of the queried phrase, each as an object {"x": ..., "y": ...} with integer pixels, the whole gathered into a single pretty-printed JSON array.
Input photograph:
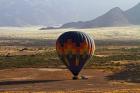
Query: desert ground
[
  {"x": 53, "y": 80},
  {"x": 29, "y": 62}
]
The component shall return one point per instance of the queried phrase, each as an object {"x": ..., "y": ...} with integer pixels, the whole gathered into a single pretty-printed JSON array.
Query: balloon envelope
[{"x": 74, "y": 49}]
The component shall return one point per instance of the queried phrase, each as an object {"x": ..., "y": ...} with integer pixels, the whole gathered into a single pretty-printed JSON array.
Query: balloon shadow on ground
[
  {"x": 131, "y": 73},
  {"x": 26, "y": 82}
]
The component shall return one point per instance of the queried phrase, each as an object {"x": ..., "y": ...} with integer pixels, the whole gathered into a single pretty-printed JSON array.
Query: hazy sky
[
  {"x": 124, "y": 4},
  {"x": 105, "y": 5}
]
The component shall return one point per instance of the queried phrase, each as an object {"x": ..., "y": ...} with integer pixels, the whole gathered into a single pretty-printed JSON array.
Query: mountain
[
  {"x": 21, "y": 13},
  {"x": 57, "y": 12},
  {"x": 45, "y": 12},
  {"x": 32, "y": 12},
  {"x": 133, "y": 14},
  {"x": 115, "y": 17}
]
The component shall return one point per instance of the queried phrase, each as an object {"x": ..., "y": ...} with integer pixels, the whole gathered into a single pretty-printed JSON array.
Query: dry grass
[{"x": 121, "y": 33}]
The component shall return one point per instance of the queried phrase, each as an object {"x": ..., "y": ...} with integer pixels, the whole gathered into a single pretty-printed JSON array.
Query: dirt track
[{"x": 58, "y": 80}]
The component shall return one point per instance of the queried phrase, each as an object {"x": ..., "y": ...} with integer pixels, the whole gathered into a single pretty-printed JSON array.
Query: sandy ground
[{"x": 53, "y": 80}]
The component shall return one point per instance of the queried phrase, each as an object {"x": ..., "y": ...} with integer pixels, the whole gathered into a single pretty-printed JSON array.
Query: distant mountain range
[
  {"x": 114, "y": 17},
  {"x": 44, "y": 12},
  {"x": 51, "y": 12}
]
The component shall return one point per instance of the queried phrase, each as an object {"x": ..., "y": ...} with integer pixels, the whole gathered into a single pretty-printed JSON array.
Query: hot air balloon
[{"x": 74, "y": 48}]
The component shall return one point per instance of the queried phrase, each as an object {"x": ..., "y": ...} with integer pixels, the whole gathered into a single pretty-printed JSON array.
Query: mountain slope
[
  {"x": 45, "y": 12},
  {"x": 133, "y": 14},
  {"x": 34, "y": 12},
  {"x": 21, "y": 13},
  {"x": 115, "y": 17}
]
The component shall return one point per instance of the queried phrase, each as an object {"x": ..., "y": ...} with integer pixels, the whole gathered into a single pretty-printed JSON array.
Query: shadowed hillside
[
  {"x": 133, "y": 14},
  {"x": 115, "y": 17}
]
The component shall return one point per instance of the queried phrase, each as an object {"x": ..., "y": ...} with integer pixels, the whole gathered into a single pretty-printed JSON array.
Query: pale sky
[{"x": 124, "y": 4}]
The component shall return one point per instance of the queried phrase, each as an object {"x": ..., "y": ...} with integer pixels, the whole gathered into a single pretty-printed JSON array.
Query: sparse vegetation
[{"x": 49, "y": 58}]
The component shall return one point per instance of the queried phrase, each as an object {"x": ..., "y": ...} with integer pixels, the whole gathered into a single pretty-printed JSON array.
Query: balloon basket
[
  {"x": 80, "y": 78},
  {"x": 75, "y": 78}
]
